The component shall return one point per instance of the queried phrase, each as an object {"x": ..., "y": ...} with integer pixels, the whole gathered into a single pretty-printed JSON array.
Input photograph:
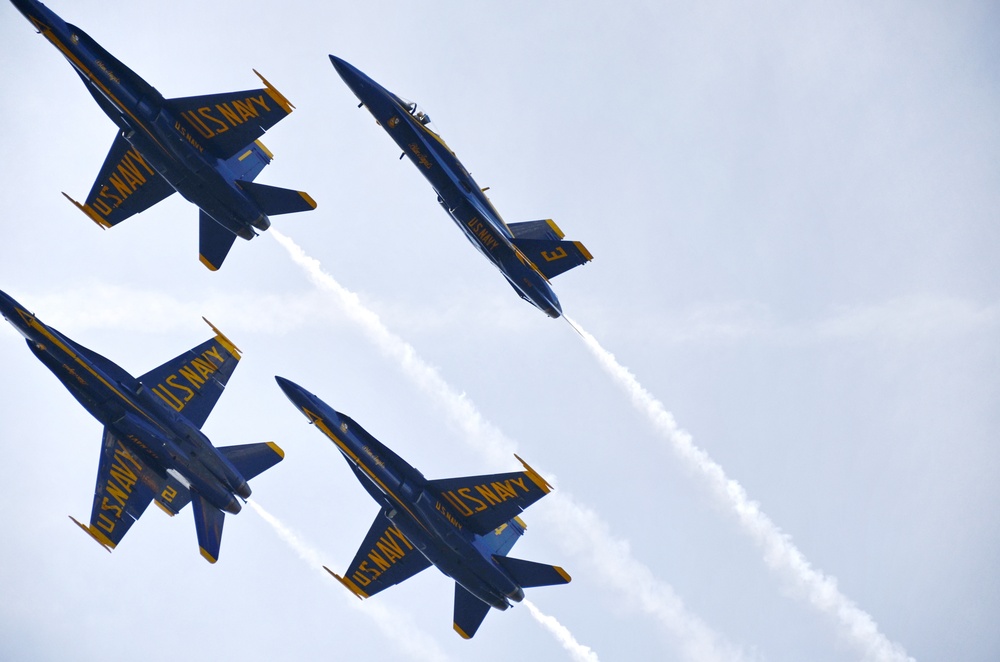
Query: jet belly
[
  {"x": 453, "y": 555},
  {"x": 196, "y": 175}
]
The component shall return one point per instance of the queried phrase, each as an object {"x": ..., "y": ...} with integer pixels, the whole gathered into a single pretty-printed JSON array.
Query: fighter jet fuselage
[
  {"x": 151, "y": 437},
  {"x": 463, "y": 526},
  {"x": 428, "y": 525},
  {"x": 463, "y": 198},
  {"x": 175, "y": 144}
]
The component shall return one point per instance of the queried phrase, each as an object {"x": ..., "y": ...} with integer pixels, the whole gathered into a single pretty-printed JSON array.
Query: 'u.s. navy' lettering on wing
[
  {"x": 130, "y": 174},
  {"x": 209, "y": 122},
  {"x": 476, "y": 499},
  {"x": 118, "y": 486},
  {"x": 180, "y": 387},
  {"x": 389, "y": 548}
]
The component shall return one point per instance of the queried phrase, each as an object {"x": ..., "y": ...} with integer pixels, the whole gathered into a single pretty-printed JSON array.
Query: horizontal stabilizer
[
  {"x": 173, "y": 497},
  {"x": 253, "y": 459},
  {"x": 469, "y": 612},
  {"x": 214, "y": 241},
  {"x": 208, "y": 521},
  {"x": 553, "y": 257},
  {"x": 546, "y": 229},
  {"x": 529, "y": 573},
  {"x": 273, "y": 200}
]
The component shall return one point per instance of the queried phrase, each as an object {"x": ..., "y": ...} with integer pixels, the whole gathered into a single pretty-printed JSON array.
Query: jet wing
[
  {"x": 230, "y": 122},
  {"x": 385, "y": 559},
  {"x": 192, "y": 383},
  {"x": 484, "y": 503},
  {"x": 125, "y": 486},
  {"x": 125, "y": 186}
]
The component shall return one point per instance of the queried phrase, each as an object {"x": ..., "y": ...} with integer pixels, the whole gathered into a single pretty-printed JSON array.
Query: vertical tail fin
[
  {"x": 528, "y": 573},
  {"x": 208, "y": 521},
  {"x": 253, "y": 459},
  {"x": 469, "y": 612},
  {"x": 214, "y": 241},
  {"x": 273, "y": 200},
  {"x": 502, "y": 539}
]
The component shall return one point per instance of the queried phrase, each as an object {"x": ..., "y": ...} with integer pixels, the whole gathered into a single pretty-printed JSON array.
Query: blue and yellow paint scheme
[
  {"x": 206, "y": 147},
  {"x": 463, "y": 526},
  {"x": 528, "y": 254},
  {"x": 153, "y": 448}
]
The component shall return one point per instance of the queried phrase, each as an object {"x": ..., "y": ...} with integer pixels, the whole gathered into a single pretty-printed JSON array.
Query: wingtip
[
  {"x": 209, "y": 265},
  {"x": 89, "y": 211},
  {"x": 461, "y": 632},
  {"x": 534, "y": 476},
  {"x": 348, "y": 584},
  {"x": 278, "y": 97},
  {"x": 226, "y": 342},
  {"x": 208, "y": 556},
  {"x": 101, "y": 539}
]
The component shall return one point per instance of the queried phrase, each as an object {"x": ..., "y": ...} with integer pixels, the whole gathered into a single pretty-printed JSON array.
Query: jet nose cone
[
  {"x": 360, "y": 83},
  {"x": 291, "y": 389},
  {"x": 8, "y": 306},
  {"x": 346, "y": 70},
  {"x": 298, "y": 395}
]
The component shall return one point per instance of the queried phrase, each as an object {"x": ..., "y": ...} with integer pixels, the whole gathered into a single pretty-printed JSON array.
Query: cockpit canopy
[{"x": 416, "y": 111}]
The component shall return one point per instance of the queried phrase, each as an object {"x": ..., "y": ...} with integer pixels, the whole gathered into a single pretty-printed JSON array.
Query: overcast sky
[{"x": 794, "y": 215}]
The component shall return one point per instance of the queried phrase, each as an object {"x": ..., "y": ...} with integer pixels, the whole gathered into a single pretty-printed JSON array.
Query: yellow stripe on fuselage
[
  {"x": 349, "y": 453},
  {"x": 68, "y": 54},
  {"x": 41, "y": 328}
]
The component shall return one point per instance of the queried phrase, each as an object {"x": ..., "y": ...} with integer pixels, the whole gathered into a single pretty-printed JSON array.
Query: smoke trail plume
[
  {"x": 397, "y": 627},
  {"x": 610, "y": 558},
  {"x": 579, "y": 652},
  {"x": 779, "y": 551}
]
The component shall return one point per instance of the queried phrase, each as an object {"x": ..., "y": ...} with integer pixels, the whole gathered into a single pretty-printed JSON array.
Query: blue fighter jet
[
  {"x": 464, "y": 526},
  {"x": 528, "y": 254},
  {"x": 203, "y": 147},
  {"x": 153, "y": 447}
]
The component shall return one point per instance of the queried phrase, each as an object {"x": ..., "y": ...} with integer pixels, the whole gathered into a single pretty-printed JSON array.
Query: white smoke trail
[
  {"x": 610, "y": 558},
  {"x": 579, "y": 652},
  {"x": 456, "y": 405},
  {"x": 779, "y": 551},
  {"x": 397, "y": 627}
]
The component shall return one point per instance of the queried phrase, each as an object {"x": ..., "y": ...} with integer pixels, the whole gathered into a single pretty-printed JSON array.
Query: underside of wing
[
  {"x": 384, "y": 559},
  {"x": 125, "y": 486},
  {"x": 484, "y": 503},
  {"x": 229, "y": 122},
  {"x": 126, "y": 185},
  {"x": 192, "y": 383}
]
